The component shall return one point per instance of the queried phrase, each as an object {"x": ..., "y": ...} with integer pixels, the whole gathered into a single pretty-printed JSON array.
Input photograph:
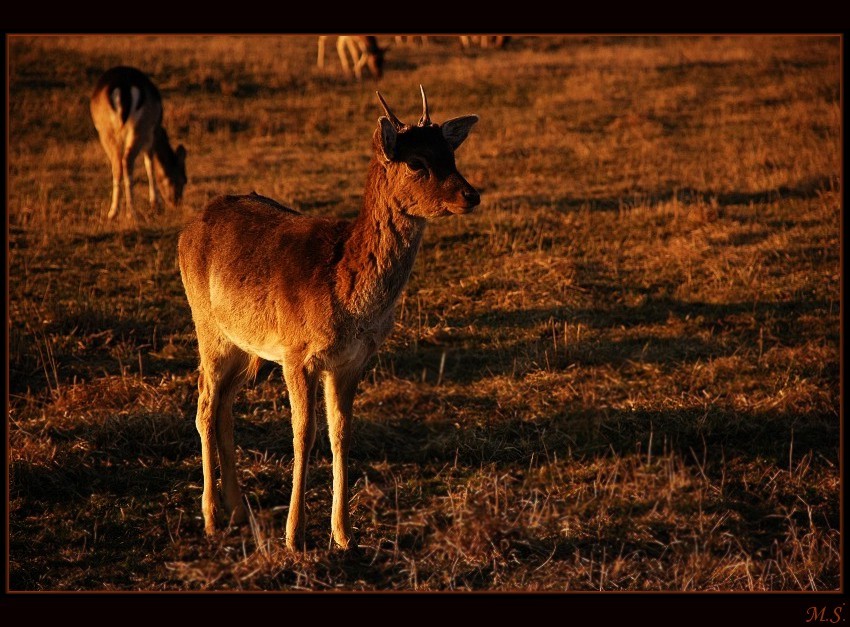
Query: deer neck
[{"x": 380, "y": 251}]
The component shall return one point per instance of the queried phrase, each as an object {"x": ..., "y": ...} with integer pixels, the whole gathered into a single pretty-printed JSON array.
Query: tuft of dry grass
[{"x": 620, "y": 373}]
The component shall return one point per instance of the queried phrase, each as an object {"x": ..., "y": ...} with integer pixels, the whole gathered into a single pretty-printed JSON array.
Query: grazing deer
[
  {"x": 316, "y": 295},
  {"x": 485, "y": 41},
  {"x": 127, "y": 111},
  {"x": 361, "y": 51}
]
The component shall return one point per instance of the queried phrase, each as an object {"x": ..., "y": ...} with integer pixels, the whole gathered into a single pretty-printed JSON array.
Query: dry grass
[{"x": 638, "y": 330}]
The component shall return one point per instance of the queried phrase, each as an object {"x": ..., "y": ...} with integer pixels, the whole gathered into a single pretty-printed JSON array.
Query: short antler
[
  {"x": 425, "y": 120},
  {"x": 398, "y": 124}
]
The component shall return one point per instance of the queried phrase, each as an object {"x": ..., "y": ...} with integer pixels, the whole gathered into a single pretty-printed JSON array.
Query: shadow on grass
[
  {"x": 126, "y": 481},
  {"x": 88, "y": 334},
  {"x": 731, "y": 327},
  {"x": 143, "y": 454},
  {"x": 807, "y": 188}
]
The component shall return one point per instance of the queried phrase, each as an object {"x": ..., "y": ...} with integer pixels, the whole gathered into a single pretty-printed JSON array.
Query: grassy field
[{"x": 620, "y": 373}]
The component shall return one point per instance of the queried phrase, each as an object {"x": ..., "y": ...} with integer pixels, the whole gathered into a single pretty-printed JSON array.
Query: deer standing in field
[
  {"x": 359, "y": 51},
  {"x": 127, "y": 112},
  {"x": 315, "y": 295}
]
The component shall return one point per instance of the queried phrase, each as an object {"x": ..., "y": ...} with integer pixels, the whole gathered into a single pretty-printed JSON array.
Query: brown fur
[
  {"x": 126, "y": 129},
  {"x": 316, "y": 295}
]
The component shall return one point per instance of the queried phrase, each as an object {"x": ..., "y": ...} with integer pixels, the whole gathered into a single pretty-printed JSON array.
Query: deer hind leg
[
  {"x": 153, "y": 192},
  {"x": 301, "y": 384},
  {"x": 216, "y": 362},
  {"x": 340, "y": 388},
  {"x": 117, "y": 175},
  {"x": 232, "y": 378},
  {"x": 205, "y": 424},
  {"x": 114, "y": 154}
]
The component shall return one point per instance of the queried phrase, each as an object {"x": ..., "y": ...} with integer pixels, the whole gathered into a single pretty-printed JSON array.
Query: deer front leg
[
  {"x": 301, "y": 384},
  {"x": 358, "y": 67},
  {"x": 358, "y": 56},
  {"x": 340, "y": 388},
  {"x": 153, "y": 194}
]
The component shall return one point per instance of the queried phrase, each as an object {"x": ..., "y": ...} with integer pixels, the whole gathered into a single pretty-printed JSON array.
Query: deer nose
[{"x": 471, "y": 197}]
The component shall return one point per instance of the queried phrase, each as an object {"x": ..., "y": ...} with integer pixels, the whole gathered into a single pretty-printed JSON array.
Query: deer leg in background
[
  {"x": 358, "y": 55},
  {"x": 320, "y": 61},
  {"x": 341, "y": 45},
  {"x": 153, "y": 192},
  {"x": 117, "y": 175},
  {"x": 127, "y": 165}
]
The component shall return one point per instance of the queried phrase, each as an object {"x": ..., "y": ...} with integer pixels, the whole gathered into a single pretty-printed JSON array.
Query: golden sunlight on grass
[{"x": 620, "y": 373}]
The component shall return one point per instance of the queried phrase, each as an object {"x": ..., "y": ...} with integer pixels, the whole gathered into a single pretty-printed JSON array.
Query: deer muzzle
[{"x": 467, "y": 198}]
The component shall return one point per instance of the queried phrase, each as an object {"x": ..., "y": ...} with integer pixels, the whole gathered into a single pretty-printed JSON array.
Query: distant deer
[
  {"x": 485, "y": 41},
  {"x": 127, "y": 111},
  {"x": 359, "y": 52},
  {"x": 316, "y": 295},
  {"x": 421, "y": 40}
]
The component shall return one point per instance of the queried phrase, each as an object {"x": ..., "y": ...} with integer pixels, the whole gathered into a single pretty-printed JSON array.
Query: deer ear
[
  {"x": 388, "y": 137},
  {"x": 457, "y": 129}
]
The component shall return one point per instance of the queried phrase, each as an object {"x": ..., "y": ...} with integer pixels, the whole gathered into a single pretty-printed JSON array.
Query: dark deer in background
[
  {"x": 127, "y": 111},
  {"x": 355, "y": 53},
  {"x": 315, "y": 295}
]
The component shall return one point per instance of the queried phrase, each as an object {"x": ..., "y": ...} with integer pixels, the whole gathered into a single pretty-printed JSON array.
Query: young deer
[
  {"x": 127, "y": 111},
  {"x": 315, "y": 295},
  {"x": 361, "y": 51}
]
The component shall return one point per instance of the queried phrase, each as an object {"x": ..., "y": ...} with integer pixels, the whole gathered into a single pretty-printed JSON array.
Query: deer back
[{"x": 125, "y": 99}]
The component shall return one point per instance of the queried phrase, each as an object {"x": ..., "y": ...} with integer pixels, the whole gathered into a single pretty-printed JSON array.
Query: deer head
[
  {"x": 375, "y": 56},
  {"x": 420, "y": 162},
  {"x": 172, "y": 167}
]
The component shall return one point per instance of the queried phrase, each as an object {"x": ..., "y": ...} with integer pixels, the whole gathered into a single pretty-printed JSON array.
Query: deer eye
[{"x": 417, "y": 166}]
